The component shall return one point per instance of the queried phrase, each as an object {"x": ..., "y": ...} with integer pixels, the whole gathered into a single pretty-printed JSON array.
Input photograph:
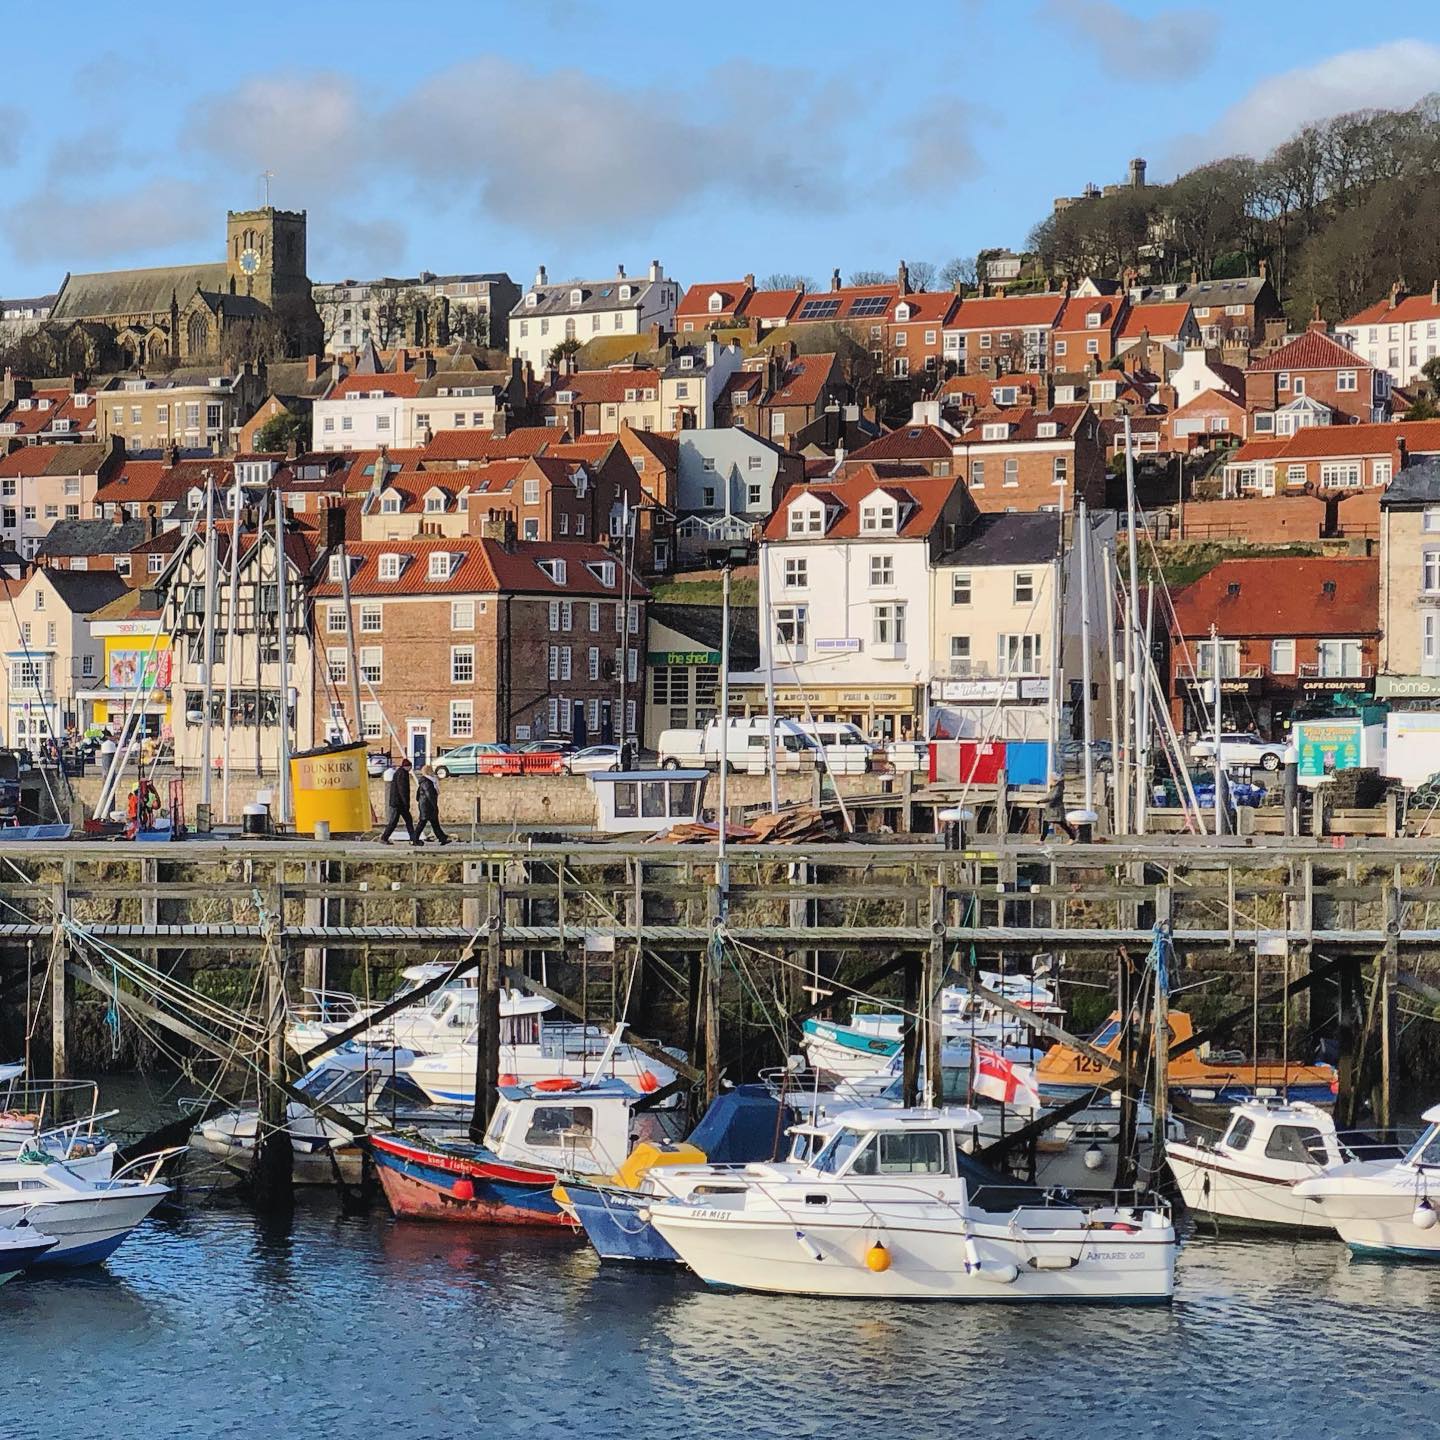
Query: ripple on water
[{"x": 214, "y": 1324}]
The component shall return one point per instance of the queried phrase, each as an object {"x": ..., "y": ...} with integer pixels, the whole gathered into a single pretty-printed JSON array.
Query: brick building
[
  {"x": 1329, "y": 458},
  {"x": 478, "y": 639},
  {"x": 1314, "y": 367},
  {"x": 1028, "y": 459}
]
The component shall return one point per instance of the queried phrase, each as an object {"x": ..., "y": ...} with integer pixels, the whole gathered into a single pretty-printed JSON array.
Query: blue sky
[{"x": 717, "y": 138}]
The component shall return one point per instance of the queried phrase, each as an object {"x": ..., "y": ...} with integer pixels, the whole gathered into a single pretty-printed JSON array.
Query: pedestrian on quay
[
  {"x": 427, "y": 801},
  {"x": 397, "y": 804}
]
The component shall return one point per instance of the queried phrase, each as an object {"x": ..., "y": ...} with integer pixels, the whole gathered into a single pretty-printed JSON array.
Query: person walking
[
  {"x": 397, "y": 804},
  {"x": 427, "y": 802}
]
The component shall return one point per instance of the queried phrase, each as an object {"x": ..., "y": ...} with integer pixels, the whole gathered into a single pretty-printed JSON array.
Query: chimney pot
[{"x": 835, "y": 279}]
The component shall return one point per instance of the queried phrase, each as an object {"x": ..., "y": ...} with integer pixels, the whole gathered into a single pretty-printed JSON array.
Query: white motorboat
[
  {"x": 368, "y": 1085},
  {"x": 21, "y": 1244},
  {"x": 891, "y": 1207},
  {"x": 438, "y": 1023},
  {"x": 60, "y": 1116},
  {"x": 529, "y": 1056},
  {"x": 87, "y": 1216},
  {"x": 1385, "y": 1207},
  {"x": 1248, "y": 1176}
]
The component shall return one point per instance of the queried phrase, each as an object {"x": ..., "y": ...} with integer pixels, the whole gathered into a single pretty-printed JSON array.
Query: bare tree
[
  {"x": 868, "y": 277},
  {"x": 962, "y": 272},
  {"x": 786, "y": 280}
]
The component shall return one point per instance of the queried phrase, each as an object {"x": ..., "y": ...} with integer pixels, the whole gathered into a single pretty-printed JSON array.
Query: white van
[
  {"x": 844, "y": 746},
  {"x": 747, "y": 746}
]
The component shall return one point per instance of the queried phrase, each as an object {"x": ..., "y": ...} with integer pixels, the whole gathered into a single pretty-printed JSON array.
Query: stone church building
[{"x": 253, "y": 304}]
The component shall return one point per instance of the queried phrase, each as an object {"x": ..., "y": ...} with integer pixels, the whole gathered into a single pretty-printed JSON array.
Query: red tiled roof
[
  {"x": 980, "y": 387},
  {"x": 1413, "y": 307},
  {"x": 742, "y": 382},
  {"x": 32, "y": 460},
  {"x": 593, "y": 387},
  {"x": 805, "y": 379},
  {"x": 1314, "y": 350},
  {"x": 908, "y": 442},
  {"x": 665, "y": 448},
  {"x": 926, "y": 494},
  {"x": 143, "y": 481},
  {"x": 1025, "y": 422},
  {"x": 1207, "y": 401},
  {"x": 485, "y": 567},
  {"x": 1161, "y": 321},
  {"x": 1077, "y": 310},
  {"x": 999, "y": 311},
  {"x": 1421, "y": 437},
  {"x": 35, "y": 418},
  {"x": 932, "y": 306},
  {"x": 773, "y": 304},
  {"x": 695, "y": 302},
  {"x": 485, "y": 445},
  {"x": 404, "y": 386},
  {"x": 1282, "y": 595}
]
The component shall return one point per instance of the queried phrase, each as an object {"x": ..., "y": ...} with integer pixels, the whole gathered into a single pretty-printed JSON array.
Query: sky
[{"x": 718, "y": 139}]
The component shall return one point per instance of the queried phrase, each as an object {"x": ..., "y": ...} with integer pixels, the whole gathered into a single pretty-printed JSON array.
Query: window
[
  {"x": 797, "y": 573},
  {"x": 371, "y": 727},
  {"x": 1012, "y": 470},
  {"x": 440, "y": 566},
  {"x": 336, "y": 665},
  {"x": 1430, "y": 521},
  {"x": 154, "y": 564},
  {"x": 462, "y": 719},
  {"x": 434, "y": 504},
  {"x": 1060, "y": 348},
  {"x": 39, "y": 599},
  {"x": 594, "y": 658},
  {"x": 790, "y": 626},
  {"x": 1282, "y": 657},
  {"x": 707, "y": 497},
  {"x": 977, "y": 474},
  {"x": 754, "y": 496},
  {"x": 1092, "y": 346},
  {"x": 807, "y": 519},
  {"x": 1017, "y": 654},
  {"x": 371, "y": 660},
  {"x": 594, "y": 617},
  {"x": 532, "y": 492},
  {"x": 960, "y": 591},
  {"x": 1283, "y": 381},
  {"x": 389, "y": 567},
  {"x": 462, "y": 614},
  {"x": 1060, "y": 470},
  {"x": 335, "y": 620},
  {"x": 1343, "y": 475},
  {"x": 877, "y": 518},
  {"x": 959, "y": 654},
  {"x": 1024, "y": 587},
  {"x": 889, "y": 624},
  {"x": 370, "y": 619},
  {"x": 882, "y": 570},
  {"x": 1347, "y": 380},
  {"x": 564, "y": 662},
  {"x": 912, "y": 1152},
  {"x": 1380, "y": 473},
  {"x": 462, "y": 664},
  {"x": 1338, "y": 658},
  {"x": 87, "y": 666}
]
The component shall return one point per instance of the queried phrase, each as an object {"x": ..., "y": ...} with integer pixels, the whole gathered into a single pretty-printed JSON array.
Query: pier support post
[
  {"x": 711, "y": 1001},
  {"x": 932, "y": 979},
  {"x": 1389, "y": 980},
  {"x": 910, "y": 1033},
  {"x": 487, "y": 1030},
  {"x": 272, "y": 1174}
]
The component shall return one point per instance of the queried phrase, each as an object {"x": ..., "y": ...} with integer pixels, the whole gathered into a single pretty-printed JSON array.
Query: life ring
[
  {"x": 560, "y": 1082},
  {"x": 649, "y": 1083}
]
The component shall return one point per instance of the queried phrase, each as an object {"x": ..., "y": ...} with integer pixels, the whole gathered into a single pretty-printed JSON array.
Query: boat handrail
[
  {"x": 155, "y": 1160},
  {"x": 73, "y": 1129}
]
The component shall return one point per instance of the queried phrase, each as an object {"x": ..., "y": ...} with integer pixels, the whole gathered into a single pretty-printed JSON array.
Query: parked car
[
  {"x": 593, "y": 758},
  {"x": 480, "y": 758},
  {"x": 1072, "y": 757},
  {"x": 545, "y": 747},
  {"x": 1241, "y": 747},
  {"x": 377, "y": 762}
]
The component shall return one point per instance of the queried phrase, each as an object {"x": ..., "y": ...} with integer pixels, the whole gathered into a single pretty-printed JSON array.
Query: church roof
[{"x": 114, "y": 293}]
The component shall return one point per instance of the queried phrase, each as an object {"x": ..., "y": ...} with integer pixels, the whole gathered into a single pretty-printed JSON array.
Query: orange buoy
[
  {"x": 509, "y": 1080},
  {"x": 877, "y": 1257},
  {"x": 463, "y": 1189},
  {"x": 560, "y": 1082},
  {"x": 649, "y": 1082}
]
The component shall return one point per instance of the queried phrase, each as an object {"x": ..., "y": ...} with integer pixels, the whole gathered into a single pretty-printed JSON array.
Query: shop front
[
  {"x": 1266, "y": 704},
  {"x": 138, "y": 665},
  {"x": 883, "y": 712}
]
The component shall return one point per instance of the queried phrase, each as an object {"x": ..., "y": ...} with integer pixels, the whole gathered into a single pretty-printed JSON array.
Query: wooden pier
[{"x": 803, "y": 927}]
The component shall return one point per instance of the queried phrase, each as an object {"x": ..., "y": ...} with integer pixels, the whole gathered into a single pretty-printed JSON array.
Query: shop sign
[
  {"x": 1400, "y": 686},
  {"x": 682, "y": 658},
  {"x": 978, "y": 689},
  {"x": 836, "y": 645},
  {"x": 1323, "y": 748}
]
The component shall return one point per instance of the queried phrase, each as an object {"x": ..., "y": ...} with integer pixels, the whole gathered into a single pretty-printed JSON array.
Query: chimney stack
[
  {"x": 540, "y": 277},
  {"x": 657, "y": 272},
  {"x": 749, "y": 282},
  {"x": 1264, "y": 269},
  {"x": 619, "y": 272},
  {"x": 902, "y": 278},
  {"x": 835, "y": 279},
  {"x": 1137, "y": 174},
  {"x": 1397, "y": 293},
  {"x": 312, "y": 367},
  {"x": 500, "y": 427}
]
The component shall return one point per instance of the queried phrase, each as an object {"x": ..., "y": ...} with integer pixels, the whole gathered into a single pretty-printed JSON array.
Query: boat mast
[
  {"x": 1215, "y": 657},
  {"x": 283, "y": 636},
  {"x": 1138, "y": 707},
  {"x": 769, "y": 675},
  {"x": 208, "y": 640},
  {"x": 1082, "y": 534},
  {"x": 230, "y": 606}
]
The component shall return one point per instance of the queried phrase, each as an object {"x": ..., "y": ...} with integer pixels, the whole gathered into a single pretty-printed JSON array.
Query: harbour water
[{"x": 212, "y": 1322}]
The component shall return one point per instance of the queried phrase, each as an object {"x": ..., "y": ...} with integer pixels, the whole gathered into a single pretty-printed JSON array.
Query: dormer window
[
  {"x": 630, "y": 395},
  {"x": 390, "y": 566},
  {"x": 878, "y": 517},
  {"x": 531, "y": 300},
  {"x": 577, "y": 297},
  {"x": 716, "y": 303},
  {"x": 390, "y": 503},
  {"x": 435, "y": 502},
  {"x": 555, "y": 569},
  {"x": 581, "y": 482},
  {"x": 1093, "y": 319},
  {"x": 687, "y": 362},
  {"x": 625, "y": 292},
  {"x": 1047, "y": 430},
  {"x": 565, "y": 397},
  {"x": 807, "y": 518},
  {"x": 999, "y": 431},
  {"x": 604, "y": 572},
  {"x": 902, "y": 312},
  {"x": 440, "y": 565}
]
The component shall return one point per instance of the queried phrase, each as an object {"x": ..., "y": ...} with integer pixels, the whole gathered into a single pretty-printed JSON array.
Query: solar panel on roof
[
  {"x": 869, "y": 305},
  {"x": 819, "y": 310}
]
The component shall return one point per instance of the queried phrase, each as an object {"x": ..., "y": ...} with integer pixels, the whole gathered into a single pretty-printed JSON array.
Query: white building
[
  {"x": 1399, "y": 333},
  {"x": 580, "y": 310},
  {"x": 364, "y": 412},
  {"x": 848, "y": 564}
]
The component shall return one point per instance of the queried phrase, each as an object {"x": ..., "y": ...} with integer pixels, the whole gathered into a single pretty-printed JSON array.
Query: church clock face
[{"x": 249, "y": 261}]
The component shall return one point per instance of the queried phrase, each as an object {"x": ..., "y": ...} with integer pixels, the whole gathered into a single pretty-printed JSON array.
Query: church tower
[{"x": 265, "y": 255}]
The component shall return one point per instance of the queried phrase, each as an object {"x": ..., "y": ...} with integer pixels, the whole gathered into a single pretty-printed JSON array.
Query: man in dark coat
[
  {"x": 427, "y": 800},
  {"x": 397, "y": 805}
]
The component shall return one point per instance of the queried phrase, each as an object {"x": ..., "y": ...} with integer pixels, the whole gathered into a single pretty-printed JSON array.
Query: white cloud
[
  {"x": 1166, "y": 45},
  {"x": 93, "y": 228},
  {"x": 12, "y": 131},
  {"x": 1390, "y": 76},
  {"x": 936, "y": 148}
]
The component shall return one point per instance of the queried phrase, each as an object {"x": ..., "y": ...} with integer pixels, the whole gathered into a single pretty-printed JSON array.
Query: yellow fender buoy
[{"x": 877, "y": 1257}]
